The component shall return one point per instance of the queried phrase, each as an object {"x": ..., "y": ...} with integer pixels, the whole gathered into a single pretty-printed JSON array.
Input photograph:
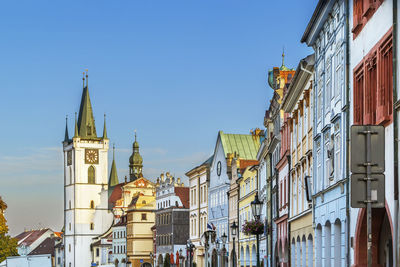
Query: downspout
[
  {"x": 270, "y": 208},
  {"x": 237, "y": 211},
  {"x": 347, "y": 109},
  {"x": 288, "y": 196},
  {"x": 395, "y": 140}
]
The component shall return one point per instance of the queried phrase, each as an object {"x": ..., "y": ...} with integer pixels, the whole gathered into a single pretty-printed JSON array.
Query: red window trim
[
  {"x": 363, "y": 10},
  {"x": 373, "y": 85}
]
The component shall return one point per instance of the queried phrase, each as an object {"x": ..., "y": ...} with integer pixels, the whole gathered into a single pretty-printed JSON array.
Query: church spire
[
  {"x": 66, "y": 137},
  {"x": 283, "y": 57},
  {"x": 76, "y": 128},
  {"x": 135, "y": 162},
  {"x": 104, "y": 128},
  {"x": 113, "y": 180},
  {"x": 86, "y": 123}
]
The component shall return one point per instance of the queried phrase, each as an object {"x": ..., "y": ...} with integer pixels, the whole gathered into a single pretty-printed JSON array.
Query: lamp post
[
  {"x": 223, "y": 251},
  {"x": 190, "y": 247},
  {"x": 256, "y": 206},
  {"x": 233, "y": 233},
  {"x": 207, "y": 235},
  {"x": 152, "y": 258},
  {"x": 181, "y": 258}
]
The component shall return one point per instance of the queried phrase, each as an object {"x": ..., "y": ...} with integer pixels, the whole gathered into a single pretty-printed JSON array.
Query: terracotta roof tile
[{"x": 183, "y": 194}]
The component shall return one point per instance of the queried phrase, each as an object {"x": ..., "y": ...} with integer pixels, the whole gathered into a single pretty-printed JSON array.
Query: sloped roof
[
  {"x": 183, "y": 194},
  {"x": 29, "y": 237},
  {"x": 116, "y": 194},
  {"x": 46, "y": 247},
  {"x": 246, "y": 145},
  {"x": 246, "y": 163}
]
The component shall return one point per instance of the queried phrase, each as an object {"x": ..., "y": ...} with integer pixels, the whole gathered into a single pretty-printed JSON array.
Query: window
[
  {"x": 97, "y": 252},
  {"x": 70, "y": 226},
  {"x": 373, "y": 85},
  {"x": 69, "y": 248},
  {"x": 337, "y": 156},
  {"x": 328, "y": 86},
  {"x": 362, "y": 12},
  {"x": 91, "y": 175},
  {"x": 69, "y": 204},
  {"x": 144, "y": 216},
  {"x": 144, "y": 202},
  {"x": 91, "y": 226},
  {"x": 92, "y": 204}
]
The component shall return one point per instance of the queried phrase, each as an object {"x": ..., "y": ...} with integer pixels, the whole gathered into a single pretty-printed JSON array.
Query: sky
[{"x": 177, "y": 71}]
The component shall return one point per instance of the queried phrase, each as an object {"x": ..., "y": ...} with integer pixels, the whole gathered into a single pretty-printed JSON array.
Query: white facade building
[
  {"x": 86, "y": 213},
  {"x": 119, "y": 242}
]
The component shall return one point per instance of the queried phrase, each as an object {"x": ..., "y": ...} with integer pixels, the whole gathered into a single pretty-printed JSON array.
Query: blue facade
[
  {"x": 326, "y": 33},
  {"x": 217, "y": 197}
]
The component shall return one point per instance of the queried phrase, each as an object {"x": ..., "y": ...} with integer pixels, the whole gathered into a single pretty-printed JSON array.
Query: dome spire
[{"x": 135, "y": 161}]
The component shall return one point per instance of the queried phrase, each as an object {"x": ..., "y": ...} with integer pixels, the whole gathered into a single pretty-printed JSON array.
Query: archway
[
  {"x": 247, "y": 256},
  {"x": 310, "y": 249},
  {"x": 253, "y": 255},
  {"x": 303, "y": 251},
  {"x": 318, "y": 245},
  {"x": 241, "y": 256},
  {"x": 214, "y": 258},
  {"x": 298, "y": 252},
  {"x": 382, "y": 236}
]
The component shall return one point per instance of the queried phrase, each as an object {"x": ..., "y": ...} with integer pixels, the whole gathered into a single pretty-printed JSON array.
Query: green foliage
[
  {"x": 194, "y": 264},
  {"x": 8, "y": 245}
]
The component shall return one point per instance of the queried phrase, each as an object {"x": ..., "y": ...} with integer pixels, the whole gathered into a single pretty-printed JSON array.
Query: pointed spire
[
  {"x": 86, "y": 123},
  {"x": 76, "y": 128},
  {"x": 113, "y": 180},
  {"x": 104, "y": 128},
  {"x": 66, "y": 137},
  {"x": 283, "y": 56}
]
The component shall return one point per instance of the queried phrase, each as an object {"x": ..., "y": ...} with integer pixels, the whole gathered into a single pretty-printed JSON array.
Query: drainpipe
[
  {"x": 347, "y": 109},
  {"x": 288, "y": 196},
  {"x": 270, "y": 208},
  {"x": 395, "y": 139}
]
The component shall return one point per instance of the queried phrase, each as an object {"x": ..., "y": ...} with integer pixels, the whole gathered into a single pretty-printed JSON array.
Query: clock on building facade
[{"x": 91, "y": 156}]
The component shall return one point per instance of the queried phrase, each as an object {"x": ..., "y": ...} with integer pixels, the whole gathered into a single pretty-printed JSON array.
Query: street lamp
[
  {"x": 152, "y": 257},
  {"x": 207, "y": 235},
  {"x": 181, "y": 257},
  {"x": 234, "y": 227},
  {"x": 223, "y": 238},
  {"x": 223, "y": 250},
  {"x": 190, "y": 246},
  {"x": 256, "y": 206}
]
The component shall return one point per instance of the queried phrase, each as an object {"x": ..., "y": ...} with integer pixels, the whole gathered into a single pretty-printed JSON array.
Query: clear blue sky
[{"x": 177, "y": 71}]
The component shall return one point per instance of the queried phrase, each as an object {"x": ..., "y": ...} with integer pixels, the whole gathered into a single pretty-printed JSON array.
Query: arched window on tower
[
  {"x": 91, "y": 175},
  {"x": 92, "y": 204},
  {"x": 91, "y": 226}
]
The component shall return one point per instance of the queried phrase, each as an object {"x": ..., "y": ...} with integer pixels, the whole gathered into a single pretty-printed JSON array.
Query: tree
[{"x": 8, "y": 245}]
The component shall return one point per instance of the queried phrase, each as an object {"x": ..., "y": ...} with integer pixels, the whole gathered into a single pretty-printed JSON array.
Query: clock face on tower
[
  {"x": 219, "y": 168},
  {"x": 91, "y": 156}
]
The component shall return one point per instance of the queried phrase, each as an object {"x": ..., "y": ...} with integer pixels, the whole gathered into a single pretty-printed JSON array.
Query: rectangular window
[
  {"x": 144, "y": 216},
  {"x": 328, "y": 86},
  {"x": 337, "y": 156},
  {"x": 385, "y": 95}
]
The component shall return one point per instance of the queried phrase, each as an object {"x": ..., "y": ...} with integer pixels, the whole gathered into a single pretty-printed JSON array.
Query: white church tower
[{"x": 86, "y": 213}]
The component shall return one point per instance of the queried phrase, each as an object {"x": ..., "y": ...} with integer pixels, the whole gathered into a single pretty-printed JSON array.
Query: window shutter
[
  {"x": 370, "y": 89},
  {"x": 385, "y": 82},
  {"x": 358, "y": 95}
]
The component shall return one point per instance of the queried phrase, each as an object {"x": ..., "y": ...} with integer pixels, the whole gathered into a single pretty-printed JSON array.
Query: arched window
[
  {"x": 91, "y": 175},
  {"x": 144, "y": 202},
  {"x": 91, "y": 226},
  {"x": 92, "y": 204},
  {"x": 69, "y": 204}
]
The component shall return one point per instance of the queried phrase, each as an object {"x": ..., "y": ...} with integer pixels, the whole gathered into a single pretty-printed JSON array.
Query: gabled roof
[
  {"x": 29, "y": 237},
  {"x": 246, "y": 145},
  {"x": 205, "y": 164},
  {"x": 46, "y": 247},
  {"x": 115, "y": 195}
]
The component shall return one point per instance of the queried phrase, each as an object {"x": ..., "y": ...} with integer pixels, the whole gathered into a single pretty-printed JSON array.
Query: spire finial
[
  {"x": 83, "y": 79},
  {"x": 135, "y": 135},
  {"x": 113, "y": 151},
  {"x": 283, "y": 56},
  {"x": 66, "y": 137},
  {"x": 104, "y": 128},
  {"x": 87, "y": 77},
  {"x": 76, "y": 127}
]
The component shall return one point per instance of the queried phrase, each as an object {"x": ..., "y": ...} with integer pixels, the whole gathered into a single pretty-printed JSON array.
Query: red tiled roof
[
  {"x": 244, "y": 163},
  {"x": 183, "y": 194},
  {"x": 116, "y": 194},
  {"x": 30, "y": 236}
]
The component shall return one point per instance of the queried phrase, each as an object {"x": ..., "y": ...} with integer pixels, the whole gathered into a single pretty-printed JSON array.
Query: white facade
[
  {"x": 119, "y": 245},
  {"x": 28, "y": 261}
]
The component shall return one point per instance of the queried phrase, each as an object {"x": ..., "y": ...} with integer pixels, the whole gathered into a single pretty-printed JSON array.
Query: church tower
[
  {"x": 135, "y": 162},
  {"x": 86, "y": 212}
]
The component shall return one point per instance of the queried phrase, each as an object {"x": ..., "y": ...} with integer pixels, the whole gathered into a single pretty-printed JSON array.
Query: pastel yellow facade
[
  {"x": 247, "y": 192},
  {"x": 141, "y": 218}
]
